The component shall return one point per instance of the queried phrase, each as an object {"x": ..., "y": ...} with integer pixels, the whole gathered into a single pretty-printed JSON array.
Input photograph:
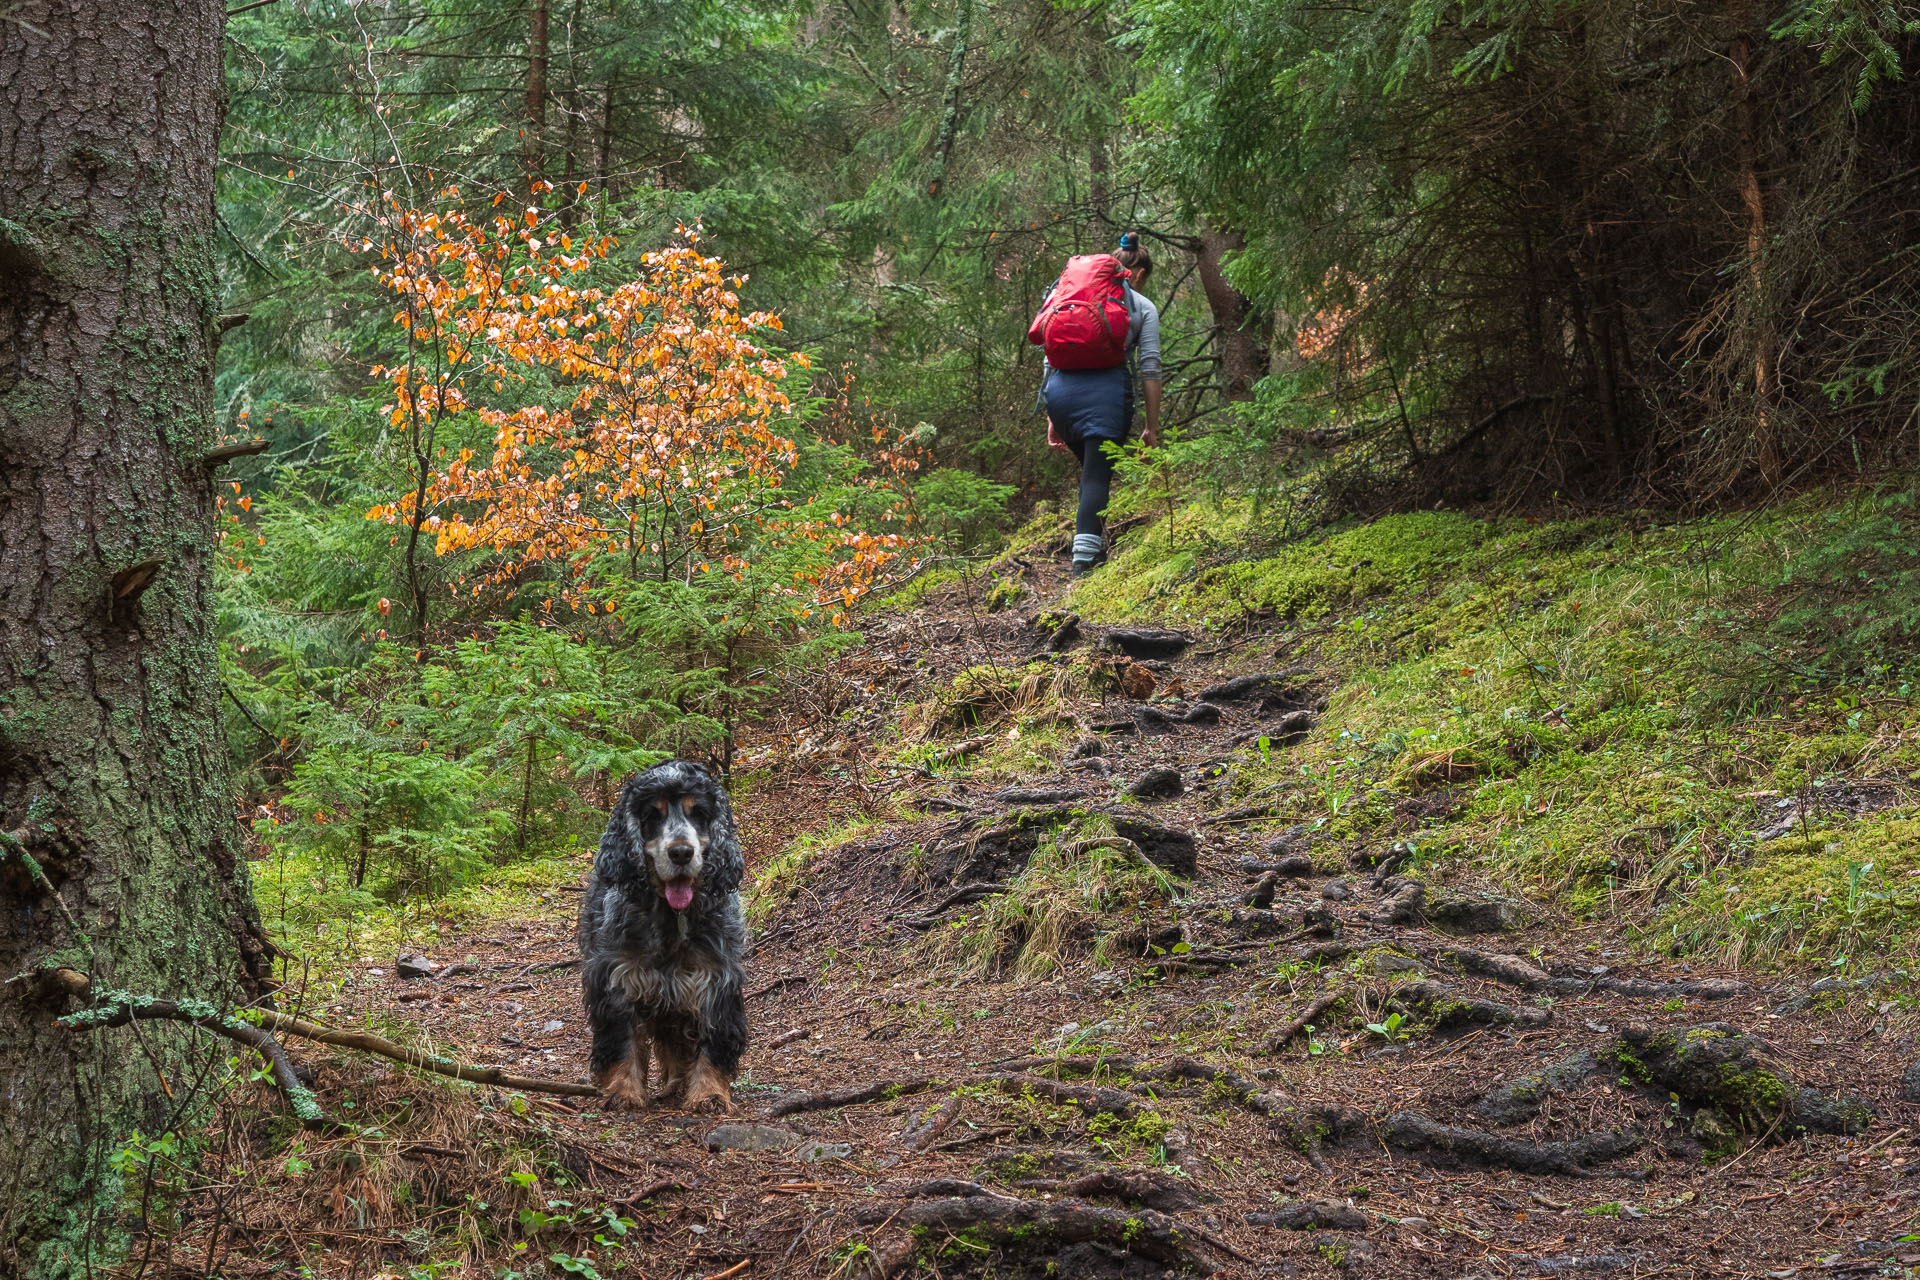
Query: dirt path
[{"x": 1528, "y": 1100}]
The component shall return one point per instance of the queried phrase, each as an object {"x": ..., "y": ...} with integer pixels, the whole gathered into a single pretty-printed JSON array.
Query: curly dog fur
[{"x": 663, "y": 942}]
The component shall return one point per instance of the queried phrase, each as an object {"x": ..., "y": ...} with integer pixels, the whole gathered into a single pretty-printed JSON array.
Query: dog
[{"x": 663, "y": 942}]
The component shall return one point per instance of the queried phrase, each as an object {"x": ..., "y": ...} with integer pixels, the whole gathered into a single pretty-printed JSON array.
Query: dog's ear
[{"x": 729, "y": 863}]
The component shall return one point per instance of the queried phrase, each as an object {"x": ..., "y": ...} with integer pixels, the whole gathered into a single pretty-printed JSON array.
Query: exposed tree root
[
  {"x": 964, "y": 894},
  {"x": 1520, "y": 1099},
  {"x": 1511, "y": 970},
  {"x": 852, "y": 1095},
  {"x": 1163, "y": 1194},
  {"x": 1091, "y": 1098},
  {"x": 1445, "y": 1009},
  {"x": 1411, "y": 1131},
  {"x": 1010, "y": 1222},
  {"x": 1278, "y": 1040},
  {"x": 925, "y": 1127}
]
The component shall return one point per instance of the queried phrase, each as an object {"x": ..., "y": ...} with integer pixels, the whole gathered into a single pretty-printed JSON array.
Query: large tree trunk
[
  {"x": 1239, "y": 329},
  {"x": 123, "y": 854}
]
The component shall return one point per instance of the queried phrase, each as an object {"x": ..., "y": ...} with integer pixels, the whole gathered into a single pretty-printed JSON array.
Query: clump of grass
[
  {"x": 782, "y": 875},
  {"x": 1073, "y": 895}
]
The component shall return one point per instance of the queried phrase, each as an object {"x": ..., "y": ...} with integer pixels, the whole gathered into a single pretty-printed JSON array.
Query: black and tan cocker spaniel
[{"x": 663, "y": 942}]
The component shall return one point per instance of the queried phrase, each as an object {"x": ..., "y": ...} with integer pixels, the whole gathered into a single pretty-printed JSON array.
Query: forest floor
[{"x": 989, "y": 1039}]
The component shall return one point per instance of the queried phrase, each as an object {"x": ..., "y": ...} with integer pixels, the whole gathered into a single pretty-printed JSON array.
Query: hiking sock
[{"x": 1089, "y": 549}]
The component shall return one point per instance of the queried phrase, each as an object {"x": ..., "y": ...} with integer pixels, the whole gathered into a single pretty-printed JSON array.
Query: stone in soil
[
  {"x": 1087, "y": 747},
  {"x": 752, "y": 1137},
  {"x": 1142, "y": 643},
  {"x": 1910, "y": 1083},
  {"x": 1336, "y": 891},
  {"x": 413, "y": 966},
  {"x": 1475, "y": 915},
  {"x": 1157, "y": 784},
  {"x": 1175, "y": 850},
  {"x": 1153, "y": 720},
  {"x": 1202, "y": 713},
  {"x": 1242, "y": 688},
  {"x": 1309, "y": 1215}
]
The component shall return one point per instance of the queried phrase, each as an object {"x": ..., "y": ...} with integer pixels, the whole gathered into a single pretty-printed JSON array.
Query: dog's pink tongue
[{"x": 679, "y": 894}]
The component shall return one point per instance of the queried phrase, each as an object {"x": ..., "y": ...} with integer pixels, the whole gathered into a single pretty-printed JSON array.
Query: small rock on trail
[
  {"x": 752, "y": 1137},
  {"x": 1157, "y": 784},
  {"x": 1141, "y": 643}
]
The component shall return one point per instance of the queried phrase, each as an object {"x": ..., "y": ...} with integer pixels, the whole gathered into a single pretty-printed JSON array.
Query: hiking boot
[{"x": 1081, "y": 568}]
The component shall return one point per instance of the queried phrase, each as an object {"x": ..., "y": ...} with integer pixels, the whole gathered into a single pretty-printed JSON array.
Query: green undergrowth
[
  {"x": 788, "y": 873},
  {"x": 1604, "y": 712},
  {"x": 323, "y": 923}
]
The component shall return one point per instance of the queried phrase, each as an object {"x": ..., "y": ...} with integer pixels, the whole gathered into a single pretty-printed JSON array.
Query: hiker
[{"x": 1098, "y": 332}]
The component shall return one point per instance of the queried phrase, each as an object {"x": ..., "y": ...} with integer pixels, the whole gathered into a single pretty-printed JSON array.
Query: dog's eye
[{"x": 661, "y": 805}]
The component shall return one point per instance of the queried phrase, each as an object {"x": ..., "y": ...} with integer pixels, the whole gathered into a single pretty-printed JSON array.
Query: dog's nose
[{"x": 681, "y": 852}]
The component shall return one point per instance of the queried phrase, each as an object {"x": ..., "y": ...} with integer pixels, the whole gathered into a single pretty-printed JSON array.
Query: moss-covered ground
[{"x": 1610, "y": 712}]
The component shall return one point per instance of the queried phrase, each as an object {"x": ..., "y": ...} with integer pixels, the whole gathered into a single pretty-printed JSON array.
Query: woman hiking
[{"x": 1099, "y": 332}]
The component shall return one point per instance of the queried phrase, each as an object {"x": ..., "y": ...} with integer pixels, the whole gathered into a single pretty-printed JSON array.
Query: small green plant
[{"x": 1391, "y": 1029}]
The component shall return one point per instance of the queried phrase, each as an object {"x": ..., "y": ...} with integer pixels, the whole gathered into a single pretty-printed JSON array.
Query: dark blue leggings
[{"x": 1096, "y": 485}]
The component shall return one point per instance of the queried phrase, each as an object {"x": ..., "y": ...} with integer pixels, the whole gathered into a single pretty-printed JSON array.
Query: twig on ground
[{"x": 775, "y": 985}]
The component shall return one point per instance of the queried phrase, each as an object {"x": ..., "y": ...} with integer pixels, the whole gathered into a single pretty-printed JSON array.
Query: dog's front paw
[
  {"x": 709, "y": 1091},
  {"x": 624, "y": 1093}
]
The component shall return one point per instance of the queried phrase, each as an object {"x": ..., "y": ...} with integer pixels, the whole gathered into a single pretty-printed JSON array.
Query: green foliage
[{"x": 964, "y": 509}]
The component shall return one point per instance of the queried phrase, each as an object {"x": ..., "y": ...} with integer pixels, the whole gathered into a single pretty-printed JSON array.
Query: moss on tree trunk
[{"x": 113, "y": 777}]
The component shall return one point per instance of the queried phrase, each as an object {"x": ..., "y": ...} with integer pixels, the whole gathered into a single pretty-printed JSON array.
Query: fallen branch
[
  {"x": 960, "y": 749},
  {"x": 367, "y": 1042},
  {"x": 120, "y": 1007},
  {"x": 1278, "y": 1041},
  {"x": 786, "y": 1038}
]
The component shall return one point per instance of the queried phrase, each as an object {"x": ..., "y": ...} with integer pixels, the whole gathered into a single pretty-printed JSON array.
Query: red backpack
[{"x": 1083, "y": 324}]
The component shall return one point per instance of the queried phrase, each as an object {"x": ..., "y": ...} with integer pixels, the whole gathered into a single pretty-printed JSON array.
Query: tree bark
[
  {"x": 1760, "y": 332},
  {"x": 1238, "y": 327},
  {"x": 123, "y": 856},
  {"x": 950, "y": 98},
  {"x": 537, "y": 90}
]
